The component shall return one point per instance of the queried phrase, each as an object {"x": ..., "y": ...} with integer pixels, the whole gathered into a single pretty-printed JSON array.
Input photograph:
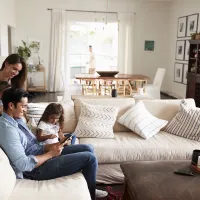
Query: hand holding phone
[{"x": 67, "y": 138}]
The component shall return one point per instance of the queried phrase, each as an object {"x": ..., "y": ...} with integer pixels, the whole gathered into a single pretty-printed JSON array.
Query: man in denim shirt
[{"x": 31, "y": 160}]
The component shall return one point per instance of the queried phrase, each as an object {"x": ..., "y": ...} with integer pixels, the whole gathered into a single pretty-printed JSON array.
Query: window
[{"x": 104, "y": 40}]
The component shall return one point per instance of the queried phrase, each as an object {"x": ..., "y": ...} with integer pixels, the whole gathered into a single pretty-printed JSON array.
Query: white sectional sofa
[
  {"x": 72, "y": 187},
  {"x": 126, "y": 146}
]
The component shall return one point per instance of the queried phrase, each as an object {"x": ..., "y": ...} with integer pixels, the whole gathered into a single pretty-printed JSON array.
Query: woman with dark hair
[{"x": 14, "y": 70}]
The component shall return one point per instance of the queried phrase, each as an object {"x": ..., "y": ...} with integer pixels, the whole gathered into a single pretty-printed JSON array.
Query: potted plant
[
  {"x": 25, "y": 50},
  {"x": 195, "y": 36}
]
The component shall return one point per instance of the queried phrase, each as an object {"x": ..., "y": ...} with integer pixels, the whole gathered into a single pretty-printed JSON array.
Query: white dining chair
[{"x": 153, "y": 90}]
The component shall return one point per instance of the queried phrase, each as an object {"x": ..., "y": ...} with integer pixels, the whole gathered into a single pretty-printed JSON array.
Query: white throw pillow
[
  {"x": 96, "y": 121},
  {"x": 140, "y": 121},
  {"x": 35, "y": 111},
  {"x": 186, "y": 123}
]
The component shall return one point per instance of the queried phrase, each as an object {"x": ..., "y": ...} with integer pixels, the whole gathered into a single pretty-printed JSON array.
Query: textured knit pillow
[
  {"x": 35, "y": 111},
  {"x": 141, "y": 122},
  {"x": 96, "y": 121},
  {"x": 186, "y": 123}
]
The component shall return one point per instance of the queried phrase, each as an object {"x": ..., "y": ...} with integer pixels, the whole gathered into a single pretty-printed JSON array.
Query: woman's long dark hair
[
  {"x": 53, "y": 109},
  {"x": 19, "y": 80}
]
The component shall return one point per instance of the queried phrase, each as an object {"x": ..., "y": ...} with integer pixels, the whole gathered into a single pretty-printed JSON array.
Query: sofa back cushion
[
  {"x": 7, "y": 177},
  {"x": 165, "y": 109},
  {"x": 123, "y": 105}
]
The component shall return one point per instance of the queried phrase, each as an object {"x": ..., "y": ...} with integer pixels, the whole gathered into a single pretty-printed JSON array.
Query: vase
[{"x": 197, "y": 37}]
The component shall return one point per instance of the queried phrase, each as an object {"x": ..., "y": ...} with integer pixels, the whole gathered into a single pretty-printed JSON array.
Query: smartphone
[
  {"x": 187, "y": 171},
  {"x": 67, "y": 138}
]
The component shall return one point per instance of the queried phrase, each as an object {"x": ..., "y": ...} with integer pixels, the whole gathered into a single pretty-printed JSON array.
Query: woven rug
[{"x": 113, "y": 194}]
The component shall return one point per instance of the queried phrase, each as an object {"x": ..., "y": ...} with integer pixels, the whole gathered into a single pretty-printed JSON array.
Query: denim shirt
[{"x": 19, "y": 144}]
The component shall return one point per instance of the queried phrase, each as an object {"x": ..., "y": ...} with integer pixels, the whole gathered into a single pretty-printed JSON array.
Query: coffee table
[{"x": 155, "y": 180}]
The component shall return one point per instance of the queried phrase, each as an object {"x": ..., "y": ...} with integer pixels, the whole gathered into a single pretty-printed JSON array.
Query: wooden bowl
[{"x": 107, "y": 73}]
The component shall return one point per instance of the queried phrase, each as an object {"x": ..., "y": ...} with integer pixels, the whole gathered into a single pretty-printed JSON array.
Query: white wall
[
  {"x": 151, "y": 24},
  {"x": 7, "y": 17},
  {"x": 179, "y": 8}
]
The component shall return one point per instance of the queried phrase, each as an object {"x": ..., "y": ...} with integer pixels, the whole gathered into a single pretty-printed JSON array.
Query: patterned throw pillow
[
  {"x": 35, "y": 111},
  {"x": 186, "y": 123},
  {"x": 96, "y": 121},
  {"x": 140, "y": 121}
]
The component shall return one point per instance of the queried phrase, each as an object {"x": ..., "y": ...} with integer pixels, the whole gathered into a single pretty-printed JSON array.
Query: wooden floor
[
  {"x": 52, "y": 97},
  {"x": 43, "y": 97}
]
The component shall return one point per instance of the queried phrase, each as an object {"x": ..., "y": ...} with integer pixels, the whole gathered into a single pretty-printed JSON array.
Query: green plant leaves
[{"x": 25, "y": 51}]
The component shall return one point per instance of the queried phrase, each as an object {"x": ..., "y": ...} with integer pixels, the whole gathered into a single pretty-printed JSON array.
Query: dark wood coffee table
[{"x": 155, "y": 180}]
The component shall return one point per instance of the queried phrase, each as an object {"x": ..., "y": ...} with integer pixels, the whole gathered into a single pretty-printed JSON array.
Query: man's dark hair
[
  {"x": 90, "y": 46},
  {"x": 13, "y": 95}
]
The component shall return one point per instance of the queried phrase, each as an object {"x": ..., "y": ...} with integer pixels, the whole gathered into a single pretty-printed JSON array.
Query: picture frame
[
  {"x": 178, "y": 72},
  {"x": 180, "y": 49},
  {"x": 149, "y": 45},
  {"x": 182, "y": 27},
  {"x": 187, "y": 50},
  {"x": 185, "y": 71},
  {"x": 192, "y": 24}
]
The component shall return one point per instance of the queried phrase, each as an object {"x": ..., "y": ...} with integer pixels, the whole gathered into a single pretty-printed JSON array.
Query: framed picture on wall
[
  {"x": 192, "y": 24},
  {"x": 178, "y": 72},
  {"x": 182, "y": 27},
  {"x": 180, "y": 49},
  {"x": 149, "y": 45},
  {"x": 185, "y": 71},
  {"x": 187, "y": 50}
]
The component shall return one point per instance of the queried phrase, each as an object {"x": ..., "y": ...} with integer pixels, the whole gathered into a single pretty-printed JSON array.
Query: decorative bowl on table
[{"x": 107, "y": 73}]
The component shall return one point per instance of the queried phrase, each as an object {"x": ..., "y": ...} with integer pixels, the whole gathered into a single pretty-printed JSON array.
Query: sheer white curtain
[
  {"x": 57, "y": 72},
  {"x": 126, "y": 42}
]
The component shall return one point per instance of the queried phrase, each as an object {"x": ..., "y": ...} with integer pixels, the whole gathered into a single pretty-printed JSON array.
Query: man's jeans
[{"x": 74, "y": 158}]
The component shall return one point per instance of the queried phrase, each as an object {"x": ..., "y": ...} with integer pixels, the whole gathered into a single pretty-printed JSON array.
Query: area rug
[{"x": 114, "y": 193}]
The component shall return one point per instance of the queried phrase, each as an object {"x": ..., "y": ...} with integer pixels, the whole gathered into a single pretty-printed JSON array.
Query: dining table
[{"x": 121, "y": 82}]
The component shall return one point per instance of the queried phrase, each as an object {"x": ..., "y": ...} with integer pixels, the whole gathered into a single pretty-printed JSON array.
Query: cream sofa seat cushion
[
  {"x": 7, "y": 177},
  {"x": 122, "y": 104},
  {"x": 73, "y": 187},
  {"x": 127, "y": 146}
]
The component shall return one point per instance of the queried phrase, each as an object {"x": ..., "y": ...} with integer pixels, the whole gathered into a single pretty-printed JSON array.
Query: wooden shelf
[
  {"x": 193, "y": 78},
  {"x": 34, "y": 76}
]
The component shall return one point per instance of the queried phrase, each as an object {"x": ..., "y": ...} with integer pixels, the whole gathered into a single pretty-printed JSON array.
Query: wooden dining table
[{"x": 120, "y": 80}]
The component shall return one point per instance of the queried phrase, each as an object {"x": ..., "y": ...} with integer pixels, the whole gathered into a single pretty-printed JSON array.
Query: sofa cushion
[
  {"x": 71, "y": 187},
  {"x": 140, "y": 121},
  {"x": 96, "y": 121},
  {"x": 165, "y": 109},
  {"x": 123, "y": 105},
  {"x": 186, "y": 123},
  {"x": 7, "y": 177},
  {"x": 127, "y": 146}
]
